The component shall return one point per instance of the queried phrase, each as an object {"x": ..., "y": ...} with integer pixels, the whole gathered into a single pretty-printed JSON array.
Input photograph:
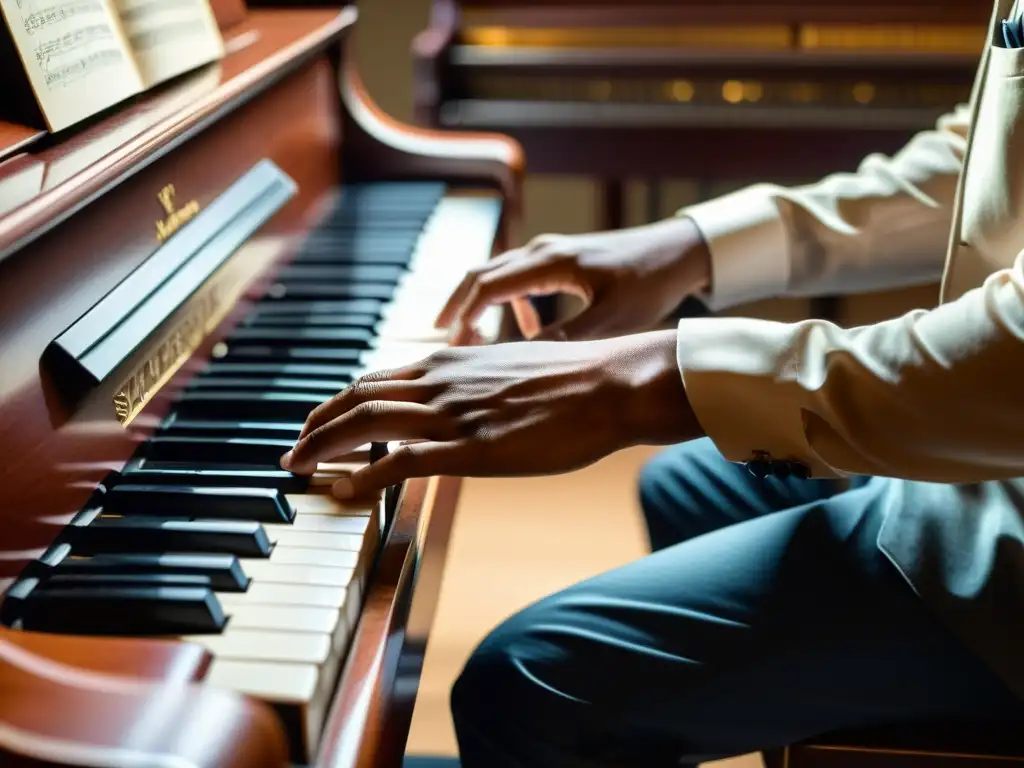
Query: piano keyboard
[{"x": 202, "y": 537}]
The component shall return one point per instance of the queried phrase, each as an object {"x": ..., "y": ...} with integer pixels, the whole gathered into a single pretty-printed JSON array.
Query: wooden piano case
[{"x": 77, "y": 216}]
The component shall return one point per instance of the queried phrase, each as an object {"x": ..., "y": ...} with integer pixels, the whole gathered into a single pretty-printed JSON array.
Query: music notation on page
[
  {"x": 72, "y": 40},
  {"x": 168, "y": 37},
  {"x": 83, "y": 56}
]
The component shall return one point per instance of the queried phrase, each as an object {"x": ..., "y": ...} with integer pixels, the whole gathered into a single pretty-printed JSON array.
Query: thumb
[{"x": 411, "y": 459}]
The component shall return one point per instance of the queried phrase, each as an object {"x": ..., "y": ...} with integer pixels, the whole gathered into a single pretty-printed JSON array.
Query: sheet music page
[
  {"x": 77, "y": 60},
  {"x": 169, "y": 37}
]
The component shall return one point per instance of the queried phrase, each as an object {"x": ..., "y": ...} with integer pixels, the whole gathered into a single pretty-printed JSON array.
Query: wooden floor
[{"x": 515, "y": 541}]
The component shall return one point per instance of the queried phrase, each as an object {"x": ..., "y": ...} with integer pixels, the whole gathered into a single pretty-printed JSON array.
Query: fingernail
[
  {"x": 343, "y": 488},
  {"x": 286, "y": 460}
]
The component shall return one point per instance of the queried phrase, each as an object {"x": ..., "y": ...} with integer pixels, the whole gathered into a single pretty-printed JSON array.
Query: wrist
[
  {"x": 683, "y": 249},
  {"x": 652, "y": 404}
]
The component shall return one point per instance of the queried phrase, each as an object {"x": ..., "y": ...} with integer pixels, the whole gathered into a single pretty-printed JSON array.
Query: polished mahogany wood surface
[
  {"x": 155, "y": 660},
  {"x": 92, "y": 161},
  {"x": 79, "y": 217},
  {"x": 72, "y": 701},
  {"x": 14, "y": 137},
  {"x": 228, "y": 12}
]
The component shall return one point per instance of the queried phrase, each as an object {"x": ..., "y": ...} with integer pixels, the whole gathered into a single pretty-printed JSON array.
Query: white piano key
[
  {"x": 322, "y": 575},
  {"x": 284, "y": 555},
  {"x": 458, "y": 237},
  {"x": 325, "y": 504},
  {"x": 300, "y": 693},
  {"x": 268, "y": 645},
  {"x": 289, "y": 536},
  {"x": 284, "y": 594},
  {"x": 298, "y": 618}
]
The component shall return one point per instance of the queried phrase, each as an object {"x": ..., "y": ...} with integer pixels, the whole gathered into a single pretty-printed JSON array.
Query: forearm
[
  {"x": 884, "y": 226},
  {"x": 932, "y": 395}
]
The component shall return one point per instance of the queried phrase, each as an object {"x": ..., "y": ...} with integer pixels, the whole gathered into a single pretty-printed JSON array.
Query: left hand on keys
[{"x": 530, "y": 408}]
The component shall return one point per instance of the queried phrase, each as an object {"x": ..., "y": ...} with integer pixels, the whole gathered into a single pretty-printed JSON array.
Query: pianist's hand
[
  {"x": 630, "y": 280},
  {"x": 531, "y": 408}
]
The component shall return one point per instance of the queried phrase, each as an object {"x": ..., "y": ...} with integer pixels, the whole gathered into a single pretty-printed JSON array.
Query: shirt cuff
[
  {"x": 743, "y": 390},
  {"x": 749, "y": 248}
]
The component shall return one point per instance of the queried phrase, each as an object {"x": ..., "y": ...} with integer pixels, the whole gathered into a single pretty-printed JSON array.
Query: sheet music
[
  {"x": 169, "y": 37},
  {"x": 74, "y": 54}
]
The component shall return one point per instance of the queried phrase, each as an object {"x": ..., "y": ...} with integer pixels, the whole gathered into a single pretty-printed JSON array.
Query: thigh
[
  {"x": 690, "y": 489},
  {"x": 751, "y": 637}
]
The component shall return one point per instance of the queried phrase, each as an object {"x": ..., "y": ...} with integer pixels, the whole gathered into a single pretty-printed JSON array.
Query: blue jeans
[{"x": 766, "y": 615}]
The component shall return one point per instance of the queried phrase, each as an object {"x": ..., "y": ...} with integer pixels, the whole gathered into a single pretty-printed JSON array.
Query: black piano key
[
  {"x": 308, "y": 308},
  {"x": 330, "y": 254},
  {"x": 249, "y": 477},
  {"x": 283, "y": 369},
  {"x": 313, "y": 291},
  {"x": 250, "y": 353},
  {"x": 342, "y": 237},
  {"x": 213, "y": 450},
  {"x": 360, "y": 338},
  {"x": 184, "y": 501},
  {"x": 235, "y": 404},
  {"x": 214, "y": 382},
  {"x": 387, "y": 274},
  {"x": 223, "y": 572},
  {"x": 93, "y": 580},
  {"x": 153, "y": 535},
  {"x": 313, "y": 321},
  {"x": 113, "y": 610},
  {"x": 217, "y": 450},
  {"x": 372, "y": 220},
  {"x": 175, "y": 426}
]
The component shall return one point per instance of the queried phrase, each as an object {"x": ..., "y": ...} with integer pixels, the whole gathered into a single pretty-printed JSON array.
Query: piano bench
[{"x": 929, "y": 745}]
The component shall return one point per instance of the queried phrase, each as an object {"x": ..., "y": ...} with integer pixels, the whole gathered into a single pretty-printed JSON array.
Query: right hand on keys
[{"x": 630, "y": 280}]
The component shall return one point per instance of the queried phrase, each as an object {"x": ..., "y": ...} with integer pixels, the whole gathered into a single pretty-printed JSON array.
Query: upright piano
[
  {"x": 181, "y": 281},
  {"x": 735, "y": 91}
]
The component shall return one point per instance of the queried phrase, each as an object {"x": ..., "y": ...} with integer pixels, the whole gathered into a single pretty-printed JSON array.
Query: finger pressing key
[
  {"x": 422, "y": 459},
  {"x": 375, "y": 421}
]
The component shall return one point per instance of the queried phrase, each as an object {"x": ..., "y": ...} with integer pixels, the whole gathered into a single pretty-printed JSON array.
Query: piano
[
  {"x": 721, "y": 93},
  {"x": 181, "y": 281}
]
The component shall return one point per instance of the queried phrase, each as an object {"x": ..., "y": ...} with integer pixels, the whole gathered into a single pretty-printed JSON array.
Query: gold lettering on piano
[
  {"x": 203, "y": 313},
  {"x": 190, "y": 327},
  {"x": 175, "y": 218}
]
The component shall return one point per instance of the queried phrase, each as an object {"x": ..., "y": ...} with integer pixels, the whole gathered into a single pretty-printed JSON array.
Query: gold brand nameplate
[
  {"x": 200, "y": 317},
  {"x": 175, "y": 218}
]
